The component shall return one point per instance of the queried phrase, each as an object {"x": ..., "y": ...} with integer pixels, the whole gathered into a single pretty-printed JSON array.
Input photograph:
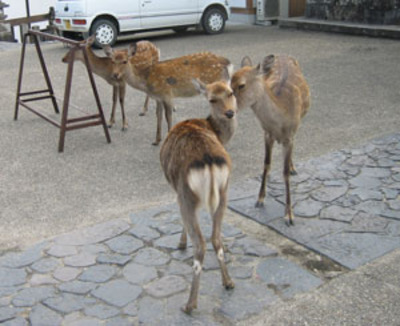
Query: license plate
[{"x": 67, "y": 24}]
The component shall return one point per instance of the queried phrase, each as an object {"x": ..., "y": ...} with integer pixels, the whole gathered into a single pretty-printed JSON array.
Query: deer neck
[
  {"x": 134, "y": 78},
  {"x": 223, "y": 128},
  {"x": 99, "y": 65}
]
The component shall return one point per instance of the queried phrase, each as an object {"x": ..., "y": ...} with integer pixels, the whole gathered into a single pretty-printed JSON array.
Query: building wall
[{"x": 362, "y": 11}]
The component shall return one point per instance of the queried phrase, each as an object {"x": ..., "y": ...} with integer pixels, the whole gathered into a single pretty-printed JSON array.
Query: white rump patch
[{"x": 207, "y": 182}]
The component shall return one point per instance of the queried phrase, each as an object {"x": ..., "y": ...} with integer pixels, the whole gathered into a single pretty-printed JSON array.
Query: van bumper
[{"x": 73, "y": 24}]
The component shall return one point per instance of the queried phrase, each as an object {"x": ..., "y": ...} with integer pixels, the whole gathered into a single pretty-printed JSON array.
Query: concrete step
[{"x": 387, "y": 31}]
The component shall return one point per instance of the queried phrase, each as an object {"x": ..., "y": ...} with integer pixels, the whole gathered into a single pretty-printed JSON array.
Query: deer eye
[
  {"x": 241, "y": 86},
  {"x": 124, "y": 62},
  {"x": 213, "y": 101},
  {"x": 230, "y": 94}
]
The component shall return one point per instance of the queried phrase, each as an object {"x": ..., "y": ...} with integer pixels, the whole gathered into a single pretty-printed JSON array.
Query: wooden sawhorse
[{"x": 66, "y": 124}]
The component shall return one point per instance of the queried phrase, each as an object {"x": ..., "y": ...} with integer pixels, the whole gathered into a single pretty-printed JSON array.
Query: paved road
[{"x": 354, "y": 84}]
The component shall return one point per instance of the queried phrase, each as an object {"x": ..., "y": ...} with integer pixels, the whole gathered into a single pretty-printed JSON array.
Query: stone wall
[{"x": 360, "y": 11}]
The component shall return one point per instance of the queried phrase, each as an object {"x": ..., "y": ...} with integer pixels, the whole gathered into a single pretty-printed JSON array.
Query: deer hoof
[
  {"x": 155, "y": 143},
  {"x": 142, "y": 114},
  {"x": 229, "y": 285},
  {"x": 188, "y": 308},
  {"x": 182, "y": 246},
  {"x": 289, "y": 222},
  {"x": 293, "y": 172},
  {"x": 259, "y": 204}
]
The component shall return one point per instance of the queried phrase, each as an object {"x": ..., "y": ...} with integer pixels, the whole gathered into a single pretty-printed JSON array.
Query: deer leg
[
  {"x": 269, "y": 143},
  {"x": 122, "y": 89},
  {"x": 292, "y": 168},
  {"x": 287, "y": 151},
  {"x": 168, "y": 107},
  {"x": 145, "y": 106},
  {"x": 183, "y": 241},
  {"x": 188, "y": 212},
  {"x": 159, "y": 122},
  {"x": 217, "y": 241},
  {"x": 114, "y": 105}
]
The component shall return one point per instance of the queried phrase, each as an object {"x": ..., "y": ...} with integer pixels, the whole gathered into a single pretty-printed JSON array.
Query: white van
[{"x": 110, "y": 18}]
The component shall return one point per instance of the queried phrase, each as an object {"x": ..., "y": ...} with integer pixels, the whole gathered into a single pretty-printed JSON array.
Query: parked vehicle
[{"x": 107, "y": 19}]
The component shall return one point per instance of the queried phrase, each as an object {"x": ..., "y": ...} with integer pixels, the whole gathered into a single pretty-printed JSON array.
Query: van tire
[
  {"x": 106, "y": 32},
  {"x": 213, "y": 21}
]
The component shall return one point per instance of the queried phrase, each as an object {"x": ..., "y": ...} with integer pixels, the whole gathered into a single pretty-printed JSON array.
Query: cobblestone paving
[
  {"x": 346, "y": 203},
  {"x": 130, "y": 272}
]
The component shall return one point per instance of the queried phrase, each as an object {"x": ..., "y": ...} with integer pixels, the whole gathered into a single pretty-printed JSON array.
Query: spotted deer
[
  {"x": 279, "y": 96},
  {"x": 147, "y": 54},
  {"x": 166, "y": 80},
  {"x": 197, "y": 166}
]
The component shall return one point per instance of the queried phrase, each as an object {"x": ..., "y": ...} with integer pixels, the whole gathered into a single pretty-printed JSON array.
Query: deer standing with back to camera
[{"x": 198, "y": 167}]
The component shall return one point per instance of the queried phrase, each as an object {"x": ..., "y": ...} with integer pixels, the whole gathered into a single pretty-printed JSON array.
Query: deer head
[
  {"x": 78, "y": 54},
  {"x": 120, "y": 60},
  {"x": 246, "y": 81},
  {"x": 220, "y": 96}
]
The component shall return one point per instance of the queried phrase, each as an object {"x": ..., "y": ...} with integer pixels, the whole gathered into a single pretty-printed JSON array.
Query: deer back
[
  {"x": 147, "y": 54},
  {"x": 286, "y": 85},
  {"x": 173, "y": 77},
  {"x": 191, "y": 145}
]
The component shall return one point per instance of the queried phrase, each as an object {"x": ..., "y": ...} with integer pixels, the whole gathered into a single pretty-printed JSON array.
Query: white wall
[
  {"x": 17, "y": 9},
  {"x": 238, "y": 3}
]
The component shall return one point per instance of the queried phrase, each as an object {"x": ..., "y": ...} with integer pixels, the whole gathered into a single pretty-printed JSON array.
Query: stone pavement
[
  {"x": 128, "y": 272},
  {"x": 347, "y": 203}
]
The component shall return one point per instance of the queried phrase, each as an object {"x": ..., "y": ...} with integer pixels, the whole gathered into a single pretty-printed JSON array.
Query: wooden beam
[
  {"x": 26, "y": 20},
  {"x": 245, "y": 11}
]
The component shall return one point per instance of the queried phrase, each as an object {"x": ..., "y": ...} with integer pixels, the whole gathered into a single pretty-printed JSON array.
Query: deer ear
[
  {"x": 108, "y": 50},
  {"x": 132, "y": 50},
  {"x": 255, "y": 71},
  {"x": 267, "y": 64},
  {"x": 199, "y": 86},
  {"x": 246, "y": 61}
]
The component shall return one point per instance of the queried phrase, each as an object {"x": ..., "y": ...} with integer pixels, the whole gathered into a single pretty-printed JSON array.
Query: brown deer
[
  {"x": 279, "y": 96},
  {"x": 168, "y": 79},
  {"x": 198, "y": 167},
  {"x": 147, "y": 55}
]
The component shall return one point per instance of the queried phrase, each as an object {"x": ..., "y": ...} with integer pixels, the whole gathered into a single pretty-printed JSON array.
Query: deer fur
[
  {"x": 198, "y": 167},
  {"x": 169, "y": 79},
  {"x": 148, "y": 54},
  {"x": 279, "y": 96}
]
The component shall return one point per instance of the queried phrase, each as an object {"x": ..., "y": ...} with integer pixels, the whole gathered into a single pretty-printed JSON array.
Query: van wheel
[
  {"x": 105, "y": 31},
  {"x": 214, "y": 21}
]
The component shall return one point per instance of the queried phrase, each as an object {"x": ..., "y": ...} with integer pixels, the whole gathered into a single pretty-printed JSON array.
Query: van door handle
[{"x": 145, "y": 2}]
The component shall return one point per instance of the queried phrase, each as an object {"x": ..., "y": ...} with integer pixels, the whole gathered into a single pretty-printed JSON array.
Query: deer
[
  {"x": 148, "y": 54},
  {"x": 166, "y": 80},
  {"x": 197, "y": 166},
  {"x": 279, "y": 96}
]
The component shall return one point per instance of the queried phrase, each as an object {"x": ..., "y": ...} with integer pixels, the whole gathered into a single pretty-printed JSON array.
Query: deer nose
[{"x": 229, "y": 114}]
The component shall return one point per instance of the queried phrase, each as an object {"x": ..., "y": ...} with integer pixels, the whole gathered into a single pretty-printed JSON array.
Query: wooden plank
[{"x": 26, "y": 20}]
